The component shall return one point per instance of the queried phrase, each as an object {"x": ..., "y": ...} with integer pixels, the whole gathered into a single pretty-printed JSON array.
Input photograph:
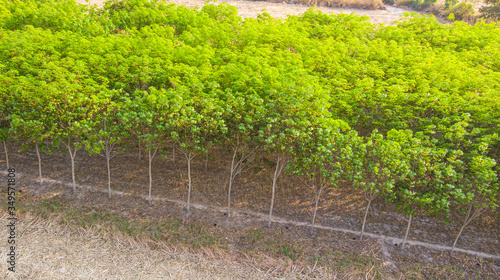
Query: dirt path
[
  {"x": 252, "y": 8},
  {"x": 259, "y": 217}
]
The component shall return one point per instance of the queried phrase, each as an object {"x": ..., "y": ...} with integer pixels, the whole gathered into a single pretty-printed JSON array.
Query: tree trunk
[
  {"x": 150, "y": 176},
  {"x": 173, "y": 155},
  {"x": 189, "y": 180},
  {"x": 456, "y": 240},
  {"x": 39, "y": 164},
  {"x": 406, "y": 235},
  {"x": 316, "y": 209},
  {"x": 150, "y": 159},
  {"x": 139, "y": 150},
  {"x": 279, "y": 168},
  {"x": 229, "y": 196},
  {"x": 6, "y": 155},
  {"x": 231, "y": 183},
  {"x": 206, "y": 162},
  {"x": 72, "y": 155},
  {"x": 47, "y": 144},
  {"x": 109, "y": 174},
  {"x": 364, "y": 219},
  {"x": 466, "y": 221}
]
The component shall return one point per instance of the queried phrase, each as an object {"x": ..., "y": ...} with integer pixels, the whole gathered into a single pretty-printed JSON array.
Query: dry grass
[
  {"x": 364, "y": 4},
  {"x": 281, "y": 8},
  {"x": 438, "y": 9},
  {"x": 49, "y": 250}
]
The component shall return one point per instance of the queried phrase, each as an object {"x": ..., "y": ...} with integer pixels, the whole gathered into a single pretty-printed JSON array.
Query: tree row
[{"x": 408, "y": 112}]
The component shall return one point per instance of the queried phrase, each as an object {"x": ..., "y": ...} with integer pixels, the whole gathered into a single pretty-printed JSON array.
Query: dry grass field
[{"x": 49, "y": 250}]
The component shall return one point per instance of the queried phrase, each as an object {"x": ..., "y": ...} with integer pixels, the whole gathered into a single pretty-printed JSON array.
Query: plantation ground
[{"x": 244, "y": 241}]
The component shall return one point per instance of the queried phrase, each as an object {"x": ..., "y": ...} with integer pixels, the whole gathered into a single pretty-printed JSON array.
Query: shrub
[
  {"x": 422, "y": 3},
  {"x": 462, "y": 10},
  {"x": 492, "y": 11}
]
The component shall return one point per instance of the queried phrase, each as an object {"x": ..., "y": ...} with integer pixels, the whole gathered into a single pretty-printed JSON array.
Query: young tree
[
  {"x": 4, "y": 121},
  {"x": 469, "y": 176},
  {"x": 70, "y": 107},
  {"x": 22, "y": 65},
  {"x": 382, "y": 166},
  {"x": 425, "y": 185},
  {"x": 478, "y": 182},
  {"x": 290, "y": 117},
  {"x": 72, "y": 112},
  {"x": 194, "y": 122},
  {"x": 28, "y": 117},
  {"x": 242, "y": 155},
  {"x": 147, "y": 116},
  {"x": 105, "y": 129},
  {"x": 243, "y": 117},
  {"x": 321, "y": 158}
]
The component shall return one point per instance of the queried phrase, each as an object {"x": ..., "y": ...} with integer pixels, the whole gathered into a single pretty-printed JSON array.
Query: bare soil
[
  {"x": 339, "y": 209},
  {"x": 248, "y": 8}
]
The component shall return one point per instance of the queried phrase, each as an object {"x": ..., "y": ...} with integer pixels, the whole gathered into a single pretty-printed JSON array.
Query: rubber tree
[
  {"x": 41, "y": 56},
  {"x": 105, "y": 129},
  {"x": 321, "y": 157},
  {"x": 27, "y": 60},
  {"x": 242, "y": 81},
  {"x": 405, "y": 195},
  {"x": 382, "y": 166},
  {"x": 73, "y": 111},
  {"x": 477, "y": 183},
  {"x": 290, "y": 114},
  {"x": 480, "y": 187},
  {"x": 5, "y": 82},
  {"x": 424, "y": 186},
  {"x": 279, "y": 143},
  {"x": 469, "y": 179},
  {"x": 147, "y": 116},
  {"x": 29, "y": 114},
  {"x": 195, "y": 120},
  {"x": 243, "y": 117}
]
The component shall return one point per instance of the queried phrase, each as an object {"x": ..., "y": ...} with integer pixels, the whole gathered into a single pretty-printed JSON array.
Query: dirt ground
[
  {"x": 248, "y": 8},
  {"x": 339, "y": 215},
  {"x": 52, "y": 251}
]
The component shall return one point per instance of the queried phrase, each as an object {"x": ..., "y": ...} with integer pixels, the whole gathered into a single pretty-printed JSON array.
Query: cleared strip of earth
[{"x": 263, "y": 217}]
